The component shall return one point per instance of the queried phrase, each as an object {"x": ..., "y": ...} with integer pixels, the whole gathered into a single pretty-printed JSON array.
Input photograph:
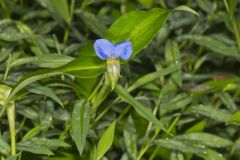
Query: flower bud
[{"x": 113, "y": 71}]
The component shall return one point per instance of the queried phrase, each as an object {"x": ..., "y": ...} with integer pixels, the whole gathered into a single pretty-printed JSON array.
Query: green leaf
[
  {"x": 234, "y": 119},
  {"x": 172, "y": 56},
  {"x": 130, "y": 137},
  {"x": 4, "y": 148},
  {"x": 211, "y": 112},
  {"x": 93, "y": 22},
  {"x": 32, "y": 132},
  {"x": 230, "y": 5},
  {"x": 213, "y": 44},
  {"x": 205, "y": 139},
  {"x": 12, "y": 157},
  {"x": 139, "y": 108},
  {"x": 178, "y": 102},
  {"x": 84, "y": 66},
  {"x": 50, "y": 143},
  {"x": 86, "y": 85},
  {"x": 146, "y": 3},
  {"x": 5, "y": 52},
  {"x": 198, "y": 127},
  {"x": 211, "y": 155},
  {"x": 175, "y": 155},
  {"x": 106, "y": 141},
  {"x": 12, "y": 37},
  {"x": 4, "y": 93},
  {"x": 207, "y": 6},
  {"x": 153, "y": 76},
  {"x": 59, "y": 8},
  {"x": 228, "y": 100},
  {"x": 80, "y": 123},
  {"x": 46, "y": 91},
  {"x": 177, "y": 145},
  {"x": 44, "y": 61},
  {"x": 186, "y": 8},
  {"x": 29, "y": 146},
  {"x": 137, "y": 26}
]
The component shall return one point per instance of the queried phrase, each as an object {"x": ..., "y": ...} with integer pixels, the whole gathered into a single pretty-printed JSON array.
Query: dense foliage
[{"x": 176, "y": 99}]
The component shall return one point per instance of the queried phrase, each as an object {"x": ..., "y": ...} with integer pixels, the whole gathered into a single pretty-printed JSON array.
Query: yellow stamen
[{"x": 111, "y": 61}]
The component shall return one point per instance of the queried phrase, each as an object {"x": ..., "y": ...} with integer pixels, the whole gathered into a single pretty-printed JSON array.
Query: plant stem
[
  {"x": 173, "y": 124},
  {"x": 4, "y": 8},
  {"x": 71, "y": 12},
  {"x": 8, "y": 68},
  {"x": 236, "y": 31},
  {"x": 144, "y": 149},
  {"x": 11, "y": 122}
]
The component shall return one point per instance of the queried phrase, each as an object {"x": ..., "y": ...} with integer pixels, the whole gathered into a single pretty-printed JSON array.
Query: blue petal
[
  {"x": 123, "y": 50},
  {"x": 103, "y": 48}
]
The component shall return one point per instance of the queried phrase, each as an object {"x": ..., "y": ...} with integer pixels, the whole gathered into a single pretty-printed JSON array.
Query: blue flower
[{"x": 106, "y": 50}]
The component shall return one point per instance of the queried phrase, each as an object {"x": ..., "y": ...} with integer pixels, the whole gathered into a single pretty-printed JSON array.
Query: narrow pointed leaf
[
  {"x": 106, "y": 141},
  {"x": 205, "y": 139},
  {"x": 80, "y": 123},
  {"x": 139, "y": 108}
]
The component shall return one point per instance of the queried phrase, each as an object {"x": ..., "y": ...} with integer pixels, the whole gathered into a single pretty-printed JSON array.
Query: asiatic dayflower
[{"x": 105, "y": 50}]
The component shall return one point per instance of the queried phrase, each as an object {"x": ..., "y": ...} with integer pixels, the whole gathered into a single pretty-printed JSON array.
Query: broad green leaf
[
  {"x": 80, "y": 123},
  {"x": 106, "y": 140},
  {"x": 186, "y": 8},
  {"x": 205, "y": 139},
  {"x": 44, "y": 61},
  {"x": 214, "y": 45},
  {"x": 153, "y": 76},
  {"x": 211, "y": 112},
  {"x": 139, "y": 108},
  {"x": 234, "y": 119},
  {"x": 137, "y": 26},
  {"x": 84, "y": 66},
  {"x": 4, "y": 148}
]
